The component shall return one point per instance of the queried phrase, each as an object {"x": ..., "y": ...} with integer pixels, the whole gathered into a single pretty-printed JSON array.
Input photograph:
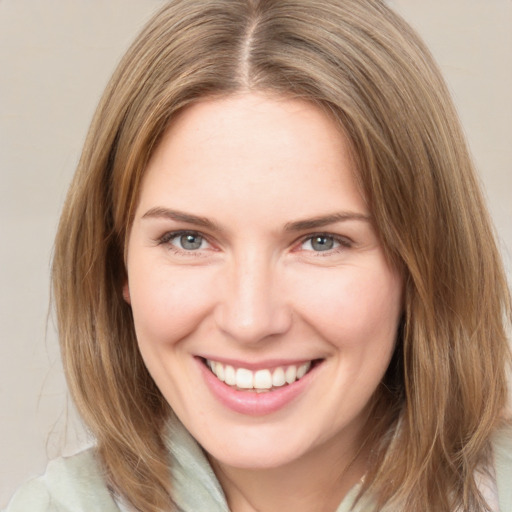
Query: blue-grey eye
[
  {"x": 190, "y": 241},
  {"x": 320, "y": 243}
]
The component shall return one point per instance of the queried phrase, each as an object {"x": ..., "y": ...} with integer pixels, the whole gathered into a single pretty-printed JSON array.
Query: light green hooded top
[{"x": 76, "y": 484}]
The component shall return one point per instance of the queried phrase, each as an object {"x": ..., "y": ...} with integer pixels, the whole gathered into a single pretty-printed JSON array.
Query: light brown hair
[{"x": 445, "y": 391}]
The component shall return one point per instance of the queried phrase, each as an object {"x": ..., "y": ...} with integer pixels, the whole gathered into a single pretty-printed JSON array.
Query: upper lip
[{"x": 259, "y": 365}]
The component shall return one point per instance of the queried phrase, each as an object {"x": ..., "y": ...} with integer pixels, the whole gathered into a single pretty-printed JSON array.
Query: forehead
[{"x": 253, "y": 149}]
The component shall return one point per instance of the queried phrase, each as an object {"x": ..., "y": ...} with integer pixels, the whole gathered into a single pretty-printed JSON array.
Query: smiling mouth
[{"x": 259, "y": 381}]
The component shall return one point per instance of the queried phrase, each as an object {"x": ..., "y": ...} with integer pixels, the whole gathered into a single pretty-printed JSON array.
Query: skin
[{"x": 258, "y": 289}]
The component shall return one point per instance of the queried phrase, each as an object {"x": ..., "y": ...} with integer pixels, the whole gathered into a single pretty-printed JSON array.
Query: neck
[{"x": 317, "y": 481}]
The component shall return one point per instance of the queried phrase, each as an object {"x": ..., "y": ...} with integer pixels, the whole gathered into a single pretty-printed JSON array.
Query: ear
[{"x": 126, "y": 292}]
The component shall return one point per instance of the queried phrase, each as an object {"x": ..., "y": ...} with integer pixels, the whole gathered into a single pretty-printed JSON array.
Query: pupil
[
  {"x": 190, "y": 242},
  {"x": 322, "y": 243}
]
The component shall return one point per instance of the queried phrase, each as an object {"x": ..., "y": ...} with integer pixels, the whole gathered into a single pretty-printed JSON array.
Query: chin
[{"x": 257, "y": 459}]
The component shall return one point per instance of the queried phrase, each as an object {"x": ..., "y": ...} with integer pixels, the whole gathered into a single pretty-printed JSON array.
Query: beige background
[{"x": 55, "y": 58}]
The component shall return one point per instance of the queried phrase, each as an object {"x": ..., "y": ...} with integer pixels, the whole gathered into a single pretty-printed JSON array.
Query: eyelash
[
  {"x": 171, "y": 235},
  {"x": 343, "y": 242}
]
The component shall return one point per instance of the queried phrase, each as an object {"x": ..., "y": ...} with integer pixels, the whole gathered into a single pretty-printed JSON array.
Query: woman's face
[{"x": 264, "y": 307}]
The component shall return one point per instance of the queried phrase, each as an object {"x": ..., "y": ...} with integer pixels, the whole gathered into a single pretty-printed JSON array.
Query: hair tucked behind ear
[{"x": 445, "y": 392}]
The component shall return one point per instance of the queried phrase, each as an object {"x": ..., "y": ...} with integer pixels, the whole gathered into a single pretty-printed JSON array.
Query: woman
[{"x": 275, "y": 278}]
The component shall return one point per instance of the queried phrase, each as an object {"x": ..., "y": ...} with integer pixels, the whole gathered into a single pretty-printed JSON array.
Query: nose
[{"x": 252, "y": 305}]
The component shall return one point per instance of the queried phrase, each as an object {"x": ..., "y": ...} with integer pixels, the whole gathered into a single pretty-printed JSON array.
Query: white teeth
[
  {"x": 229, "y": 375},
  {"x": 263, "y": 379},
  {"x": 260, "y": 380},
  {"x": 303, "y": 368},
  {"x": 244, "y": 378},
  {"x": 219, "y": 371},
  {"x": 278, "y": 378},
  {"x": 291, "y": 374}
]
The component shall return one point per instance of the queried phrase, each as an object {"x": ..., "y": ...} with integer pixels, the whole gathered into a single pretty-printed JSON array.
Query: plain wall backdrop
[{"x": 55, "y": 59}]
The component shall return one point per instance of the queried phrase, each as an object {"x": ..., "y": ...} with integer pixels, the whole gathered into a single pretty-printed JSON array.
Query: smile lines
[{"x": 260, "y": 380}]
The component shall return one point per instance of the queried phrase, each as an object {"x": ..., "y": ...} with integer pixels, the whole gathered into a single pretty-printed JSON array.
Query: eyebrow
[
  {"x": 300, "y": 225},
  {"x": 325, "y": 220},
  {"x": 166, "y": 213}
]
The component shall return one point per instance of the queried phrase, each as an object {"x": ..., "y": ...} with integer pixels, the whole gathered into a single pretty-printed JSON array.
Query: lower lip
[{"x": 252, "y": 403}]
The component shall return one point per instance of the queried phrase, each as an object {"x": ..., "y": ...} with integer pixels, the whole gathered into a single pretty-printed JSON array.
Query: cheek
[
  {"x": 169, "y": 304},
  {"x": 355, "y": 307}
]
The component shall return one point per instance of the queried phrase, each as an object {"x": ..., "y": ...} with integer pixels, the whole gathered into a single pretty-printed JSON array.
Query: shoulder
[
  {"x": 70, "y": 484},
  {"x": 502, "y": 444}
]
